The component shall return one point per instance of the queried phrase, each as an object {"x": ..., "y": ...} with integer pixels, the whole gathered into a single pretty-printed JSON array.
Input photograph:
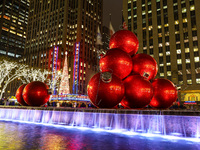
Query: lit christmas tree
[{"x": 64, "y": 85}]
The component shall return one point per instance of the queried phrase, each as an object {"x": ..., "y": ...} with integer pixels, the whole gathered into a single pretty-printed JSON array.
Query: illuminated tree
[
  {"x": 6, "y": 68},
  {"x": 10, "y": 71},
  {"x": 31, "y": 74}
]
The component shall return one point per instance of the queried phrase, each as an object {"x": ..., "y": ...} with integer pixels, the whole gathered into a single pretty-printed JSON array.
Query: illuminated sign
[
  {"x": 71, "y": 97},
  {"x": 190, "y": 102},
  {"x": 76, "y": 68},
  {"x": 54, "y": 68}
]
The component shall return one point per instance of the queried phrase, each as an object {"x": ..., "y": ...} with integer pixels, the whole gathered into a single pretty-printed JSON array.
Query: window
[
  {"x": 189, "y": 81},
  {"x": 196, "y": 59},
  {"x": 179, "y": 61}
]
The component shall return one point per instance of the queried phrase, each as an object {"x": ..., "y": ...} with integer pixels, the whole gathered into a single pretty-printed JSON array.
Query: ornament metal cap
[{"x": 106, "y": 77}]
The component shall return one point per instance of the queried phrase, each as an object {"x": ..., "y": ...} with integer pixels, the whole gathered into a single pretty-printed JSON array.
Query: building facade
[
  {"x": 63, "y": 23},
  {"x": 168, "y": 30},
  {"x": 105, "y": 37},
  {"x": 13, "y": 25}
]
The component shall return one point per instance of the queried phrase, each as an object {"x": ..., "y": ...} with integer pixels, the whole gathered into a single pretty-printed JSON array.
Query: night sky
[{"x": 115, "y": 8}]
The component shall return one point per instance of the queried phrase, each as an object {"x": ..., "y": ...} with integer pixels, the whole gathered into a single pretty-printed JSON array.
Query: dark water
[{"x": 22, "y": 136}]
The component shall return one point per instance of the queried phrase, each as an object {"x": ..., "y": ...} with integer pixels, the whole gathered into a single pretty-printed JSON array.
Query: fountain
[{"x": 182, "y": 124}]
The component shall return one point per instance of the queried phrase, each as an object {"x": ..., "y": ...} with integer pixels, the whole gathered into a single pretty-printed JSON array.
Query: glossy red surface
[
  {"x": 105, "y": 93},
  {"x": 117, "y": 62},
  {"x": 36, "y": 93},
  {"x": 145, "y": 65},
  {"x": 138, "y": 92},
  {"x": 19, "y": 95},
  {"x": 125, "y": 40},
  {"x": 165, "y": 93}
]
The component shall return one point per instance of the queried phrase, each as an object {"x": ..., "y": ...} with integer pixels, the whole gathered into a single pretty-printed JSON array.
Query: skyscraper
[
  {"x": 168, "y": 30},
  {"x": 13, "y": 23},
  {"x": 106, "y": 37},
  {"x": 63, "y": 23}
]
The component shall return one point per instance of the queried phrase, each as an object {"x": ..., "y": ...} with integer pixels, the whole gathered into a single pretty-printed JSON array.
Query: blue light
[{"x": 127, "y": 124}]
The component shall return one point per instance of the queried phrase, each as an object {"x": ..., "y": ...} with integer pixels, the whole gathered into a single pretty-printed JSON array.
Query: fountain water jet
[{"x": 125, "y": 121}]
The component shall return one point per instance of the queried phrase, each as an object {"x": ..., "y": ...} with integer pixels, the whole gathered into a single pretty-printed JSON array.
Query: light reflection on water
[{"x": 20, "y": 136}]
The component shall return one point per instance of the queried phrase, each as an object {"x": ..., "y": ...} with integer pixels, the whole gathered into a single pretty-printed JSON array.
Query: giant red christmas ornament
[
  {"x": 125, "y": 40},
  {"x": 105, "y": 90},
  {"x": 36, "y": 93},
  {"x": 19, "y": 95},
  {"x": 116, "y": 61},
  {"x": 138, "y": 92},
  {"x": 145, "y": 65},
  {"x": 165, "y": 93}
]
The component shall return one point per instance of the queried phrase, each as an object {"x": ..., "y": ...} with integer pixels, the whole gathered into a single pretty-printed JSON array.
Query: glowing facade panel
[
  {"x": 54, "y": 68},
  {"x": 76, "y": 68}
]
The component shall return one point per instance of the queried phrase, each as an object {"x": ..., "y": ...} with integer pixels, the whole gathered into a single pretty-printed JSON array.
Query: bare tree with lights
[
  {"x": 6, "y": 68},
  {"x": 31, "y": 74},
  {"x": 10, "y": 70},
  {"x": 12, "y": 73}
]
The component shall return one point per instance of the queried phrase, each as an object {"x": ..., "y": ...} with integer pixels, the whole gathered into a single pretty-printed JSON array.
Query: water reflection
[{"x": 20, "y": 136}]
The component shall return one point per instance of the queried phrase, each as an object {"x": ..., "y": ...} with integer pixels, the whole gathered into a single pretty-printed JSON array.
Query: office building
[
  {"x": 169, "y": 30},
  {"x": 63, "y": 23},
  {"x": 13, "y": 25},
  {"x": 106, "y": 37}
]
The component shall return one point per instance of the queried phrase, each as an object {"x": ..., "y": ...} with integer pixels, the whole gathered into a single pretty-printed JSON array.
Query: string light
[{"x": 64, "y": 85}]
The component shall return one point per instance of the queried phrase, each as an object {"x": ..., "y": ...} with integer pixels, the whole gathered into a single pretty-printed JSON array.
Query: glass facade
[
  {"x": 168, "y": 31},
  {"x": 13, "y": 25},
  {"x": 63, "y": 23}
]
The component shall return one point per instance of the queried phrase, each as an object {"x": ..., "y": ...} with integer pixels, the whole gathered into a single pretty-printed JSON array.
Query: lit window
[
  {"x": 12, "y": 32},
  {"x": 160, "y": 54},
  {"x": 178, "y": 51},
  {"x": 162, "y": 74},
  {"x": 196, "y": 59},
  {"x": 196, "y": 49},
  {"x": 169, "y": 73},
  {"x": 184, "y": 20},
  {"x": 180, "y": 82},
  {"x": 187, "y": 61},
  {"x": 198, "y": 81},
  {"x": 176, "y": 22},
  {"x": 166, "y": 25},
  {"x": 189, "y": 81},
  {"x": 179, "y": 61},
  {"x": 168, "y": 53},
  {"x": 187, "y": 50},
  {"x": 168, "y": 64},
  {"x": 192, "y": 8},
  {"x": 184, "y": 10},
  {"x": 161, "y": 64}
]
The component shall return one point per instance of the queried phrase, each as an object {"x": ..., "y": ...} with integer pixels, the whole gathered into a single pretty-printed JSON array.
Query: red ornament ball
[
  {"x": 36, "y": 93},
  {"x": 105, "y": 90},
  {"x": 125, "y": 40},
  {"x": 138, "y": 92},
  {"x": 165, "y": 93},
  {"x": 145, "y": 65},
  {"x": 19, "y": 95},
  {"x": 117, "y": 62}
]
